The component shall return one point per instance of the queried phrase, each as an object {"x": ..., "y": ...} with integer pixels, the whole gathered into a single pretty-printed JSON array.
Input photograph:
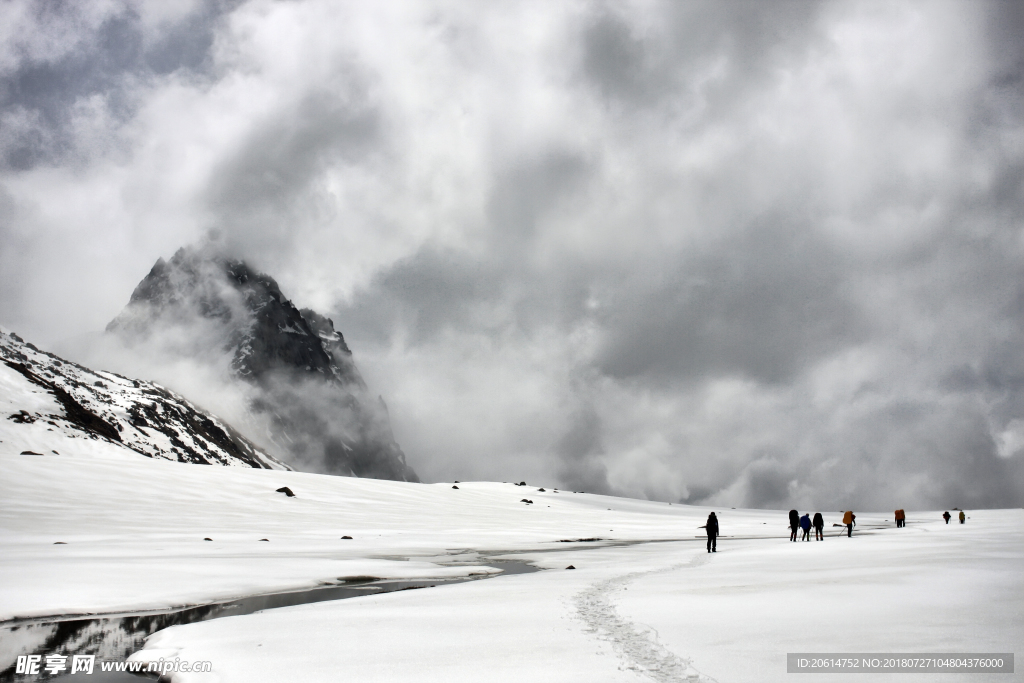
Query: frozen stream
[{"x": 115, "y": 637}]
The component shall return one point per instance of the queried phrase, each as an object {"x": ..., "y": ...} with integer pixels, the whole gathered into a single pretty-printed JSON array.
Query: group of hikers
[
  {"x": 806, "y": 522},
  {"x": 797, "y": 522},
  {"x": 946, "y": 516}
]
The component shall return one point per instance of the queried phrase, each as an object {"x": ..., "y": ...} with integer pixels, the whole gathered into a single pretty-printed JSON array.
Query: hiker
[
  {"x": 945, "y": 516},
  {"x": 819, "y": 527},
  {"x": 848, "y": 519},
  {"x": 794, "y": 524},
  {"x": 805, "y": 524},
  {"x": 901, "y": 519},
  {"x": 712, "y": 528},
  {"x": 962, "y": 516}
]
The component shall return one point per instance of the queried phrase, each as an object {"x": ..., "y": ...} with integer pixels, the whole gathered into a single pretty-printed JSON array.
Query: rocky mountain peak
[
  {"x": 307, "y": 382},
  {"x": 261, "y": 326}
]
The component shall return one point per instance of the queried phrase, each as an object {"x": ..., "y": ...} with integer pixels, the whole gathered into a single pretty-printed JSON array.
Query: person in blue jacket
[{"x": 805, "y": 524}]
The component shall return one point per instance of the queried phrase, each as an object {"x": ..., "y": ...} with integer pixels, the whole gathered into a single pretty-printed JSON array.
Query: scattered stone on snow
[
  {"x": 286, "y": 491},
  {"x": 455, "y": 487},
  {"x": 357, "y": 579},
  {"x": 207, "y": 539},
  {"x": 30, "y": 453},
  {"x": 570, "y": 567},
  {"x": 349, "y": 538}
]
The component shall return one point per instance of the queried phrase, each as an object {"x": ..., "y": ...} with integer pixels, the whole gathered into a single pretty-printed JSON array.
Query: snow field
[
  {"x": 926, "y": 588},
  {"x": 133, "y": 531},
  {"x": 645, "y": 604}
]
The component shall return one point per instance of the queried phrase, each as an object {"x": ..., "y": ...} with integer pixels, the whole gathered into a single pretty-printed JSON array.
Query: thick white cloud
[{"x": 746, "y": 253}]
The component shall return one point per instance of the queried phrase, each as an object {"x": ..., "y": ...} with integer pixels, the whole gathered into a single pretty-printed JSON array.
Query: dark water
[{"x": 114, "y": 638}]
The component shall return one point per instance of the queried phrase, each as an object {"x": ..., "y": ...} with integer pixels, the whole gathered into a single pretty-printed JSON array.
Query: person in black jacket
[
  {"x": 819, "y": 527},
  {"x": 794, "y": 524},
  {"x": 712, "y": 528}
]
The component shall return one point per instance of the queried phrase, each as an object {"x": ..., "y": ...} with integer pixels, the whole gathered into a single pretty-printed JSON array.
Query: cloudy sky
[{"x": 739, "y": 253}]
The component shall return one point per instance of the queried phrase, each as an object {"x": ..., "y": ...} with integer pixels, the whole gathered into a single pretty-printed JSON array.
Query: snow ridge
[
  {"x": 636, "y": 644},
  {"x": 105, "y": 407}
]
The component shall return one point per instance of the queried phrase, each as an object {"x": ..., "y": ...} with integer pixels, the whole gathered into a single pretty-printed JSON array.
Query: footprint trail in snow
[{"x": 636, "y": 644}]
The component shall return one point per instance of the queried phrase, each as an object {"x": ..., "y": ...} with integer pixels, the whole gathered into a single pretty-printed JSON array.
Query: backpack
[{"x": 848, "y": 517}]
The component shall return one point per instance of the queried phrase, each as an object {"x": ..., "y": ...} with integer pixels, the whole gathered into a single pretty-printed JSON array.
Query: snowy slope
[
  {"x": 50, "y": 406},
  {"x": 653, "y": 612},
  {"x": 645, "y": 603},
  {"x": 124, "y": 523}
]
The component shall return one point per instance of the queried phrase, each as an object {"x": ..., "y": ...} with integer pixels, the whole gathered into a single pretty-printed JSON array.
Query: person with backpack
[
  {"x": 901, "y": 519},
  {"x": 805, "y": 524},
  {"x": 945, "y": 516},
  {"x": 712, "y": 529},
  {"x": 849, "y": 519},
  {"x": 819, "y": 527},
  {"x": 962, "y": 517},
  {"x": 794, "y": 524}
]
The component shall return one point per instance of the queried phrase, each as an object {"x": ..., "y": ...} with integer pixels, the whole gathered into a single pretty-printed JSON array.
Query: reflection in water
[
  {"x": 115, "y": 638},
  {"x": 110, "y": 639}
]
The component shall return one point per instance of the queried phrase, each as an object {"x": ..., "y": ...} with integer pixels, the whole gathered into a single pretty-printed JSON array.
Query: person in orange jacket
[
  {"x": 848, "y": 519},
  {"x": 901, "y": 519},
  {"x": 962, "y": 516}
]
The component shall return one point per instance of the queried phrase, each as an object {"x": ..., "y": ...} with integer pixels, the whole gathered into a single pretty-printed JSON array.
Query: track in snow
[{"x": 636, "y": 644}]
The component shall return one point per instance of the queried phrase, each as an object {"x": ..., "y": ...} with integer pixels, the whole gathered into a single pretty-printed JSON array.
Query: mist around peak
[{"x": 228, "y": 334}]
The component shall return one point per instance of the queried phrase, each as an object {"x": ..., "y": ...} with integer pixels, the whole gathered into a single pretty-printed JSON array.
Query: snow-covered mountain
[
  {"x": 314, "y": 407},
  {"x": 46, "y": 400}
]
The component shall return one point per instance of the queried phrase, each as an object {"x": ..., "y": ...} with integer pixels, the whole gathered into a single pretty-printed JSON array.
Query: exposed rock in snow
[
  {"x": 46, "y": 399},
  {"x": 303, "y": 380}
]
